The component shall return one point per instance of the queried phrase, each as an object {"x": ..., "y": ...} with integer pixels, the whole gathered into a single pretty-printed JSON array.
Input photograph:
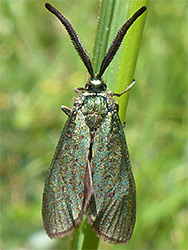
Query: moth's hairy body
[{"x": 91, "y": 171}]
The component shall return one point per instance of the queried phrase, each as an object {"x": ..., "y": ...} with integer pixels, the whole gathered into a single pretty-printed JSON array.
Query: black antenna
[
  {"x": 74, "y": 38},
  {"x": 117, "y": 41}
]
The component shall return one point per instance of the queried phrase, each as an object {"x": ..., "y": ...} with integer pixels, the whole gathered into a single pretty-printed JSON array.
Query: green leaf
[
  {"x": 91, "y": 241},
  {"x": 129, "y": 54},
  {"x": 113, "y": 14}
]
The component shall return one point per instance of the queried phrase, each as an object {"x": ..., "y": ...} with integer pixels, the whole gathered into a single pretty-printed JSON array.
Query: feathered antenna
[
  {"x": 74, "y": 38},
  {"x": 117, "y": 42},
  {"x": 80, "y": 48}
]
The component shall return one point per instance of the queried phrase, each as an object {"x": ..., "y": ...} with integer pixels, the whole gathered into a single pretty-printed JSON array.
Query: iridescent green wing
[
  {"x": 63, "y": 196},
  {"x": 112, "y": 208}
]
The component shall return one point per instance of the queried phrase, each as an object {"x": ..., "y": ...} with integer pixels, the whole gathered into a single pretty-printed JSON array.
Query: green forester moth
[{"x": 91, "y": 172}]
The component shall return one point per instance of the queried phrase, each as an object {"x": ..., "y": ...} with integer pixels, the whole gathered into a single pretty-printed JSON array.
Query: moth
[{"x": 91, "y": 172}]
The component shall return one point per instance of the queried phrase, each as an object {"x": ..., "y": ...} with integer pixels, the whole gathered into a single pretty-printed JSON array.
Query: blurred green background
[{"x": 39, "y": 70}]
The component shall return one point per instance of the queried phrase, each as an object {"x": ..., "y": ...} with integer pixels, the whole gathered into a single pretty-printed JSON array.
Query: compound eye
[
  {"x": 86, "y": 86},
  {"x": 89, "y": 86},
  {"x": 104, "y": 86}
]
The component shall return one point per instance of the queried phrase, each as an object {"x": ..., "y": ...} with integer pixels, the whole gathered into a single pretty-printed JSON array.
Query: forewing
[
  {"x": 64, "y": 186},
  {"x": 112, "y": 208}
]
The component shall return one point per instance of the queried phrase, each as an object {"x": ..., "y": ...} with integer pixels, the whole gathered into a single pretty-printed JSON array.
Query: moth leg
[
  {"x": 117, "y": 107},
  {"x": 66, "y": 110},
  {"x": 129, "y": 87},
  {"x": 77, "y": 90},
  {"x": 124, "y": 124}
]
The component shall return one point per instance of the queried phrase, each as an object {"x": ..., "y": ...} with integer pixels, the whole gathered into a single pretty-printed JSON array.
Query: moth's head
[{"x": 95, "y": 84}]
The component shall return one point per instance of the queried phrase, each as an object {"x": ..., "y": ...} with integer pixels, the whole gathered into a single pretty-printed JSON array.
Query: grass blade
[{"x": 119, "y": 75}]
